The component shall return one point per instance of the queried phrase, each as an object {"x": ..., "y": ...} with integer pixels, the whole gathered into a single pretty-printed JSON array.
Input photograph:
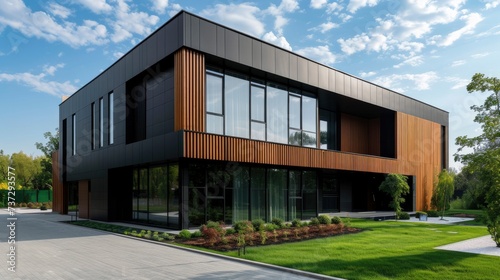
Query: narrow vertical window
[
  {"x": 73, "y": 133},
  {"x": 110, "y": 118},
  {"x": 215, "y": 117},
  {"x": 92, "y": 124},
  {"x": 101, "y": 122}
]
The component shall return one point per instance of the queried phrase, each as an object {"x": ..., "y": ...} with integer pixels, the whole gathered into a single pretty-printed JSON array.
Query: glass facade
[
  {"x": 232, "y": 192},
  {"x": 156, "y": 195},
  {"x": 239, "y": 106}
]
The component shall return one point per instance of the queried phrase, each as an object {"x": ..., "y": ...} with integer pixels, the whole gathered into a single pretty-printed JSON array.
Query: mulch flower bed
[{"x": 258, "y": 238}]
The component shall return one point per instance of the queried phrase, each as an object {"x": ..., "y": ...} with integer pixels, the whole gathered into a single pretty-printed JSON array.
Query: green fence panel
[{"x": 44, "y": 195}]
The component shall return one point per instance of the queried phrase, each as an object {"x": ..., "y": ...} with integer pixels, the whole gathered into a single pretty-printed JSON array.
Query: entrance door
[{"x": 329, "y": 193}]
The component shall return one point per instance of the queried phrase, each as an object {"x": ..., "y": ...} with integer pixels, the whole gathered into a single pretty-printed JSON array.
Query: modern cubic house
[{"x": 201, "y": 122}]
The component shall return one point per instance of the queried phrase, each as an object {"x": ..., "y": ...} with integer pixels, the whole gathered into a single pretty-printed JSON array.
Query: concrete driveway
[{"x": 49, "y": 249}]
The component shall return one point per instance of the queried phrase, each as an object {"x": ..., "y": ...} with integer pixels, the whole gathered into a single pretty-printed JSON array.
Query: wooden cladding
[
  {"x": 418, "y": 154},
  {"x": 189, "y": 87},
  {"x": 359, "y": 135}
]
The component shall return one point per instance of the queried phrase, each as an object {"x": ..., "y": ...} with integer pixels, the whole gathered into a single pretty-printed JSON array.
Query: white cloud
[
  {"x": 471, "y": 20},
  {"x": 479, "y": 55},
  {"x": 345, "y": 17},
  {"x": 319, "y": 53},
  {"x": 458, "y": 83},
  {"x": 128, "y": 23},
  {"x": 318, "y": 4},
  {"x": 367, "y": 74},
  {"x": 458, "y": 63},
  {"x": 241, "y": 17},
  {"x": 38, "y": 82},
  {"x": 277, "y": 40},
  {"x": 118, "y": 54},
  {"x": 334, "y": 7},
  {"x": 159, "y": 6},
  {"x": 286, "y": 6},
  {"x": 58, "y": 10},
  {"x": 374, "y": 42},
  {"x": 174, "y": 9},
  {"x": 399, "y": 82},
  {"x": 492, "y": 4},
  {"x": 96, "y": 6},
  {"x": 412, "y": 61},
  {"x": 51, "y": 69},
  {"x": 354, "y": 5},
  {"x": 41, "y": 25},
  {"x": 412, "y": 47},
  {"x": 495, "y": 30},
  {"x": 324, "y": 27}
]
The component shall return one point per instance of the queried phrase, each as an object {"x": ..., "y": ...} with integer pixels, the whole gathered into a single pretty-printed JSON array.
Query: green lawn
[{"x": 385, "y": 250}]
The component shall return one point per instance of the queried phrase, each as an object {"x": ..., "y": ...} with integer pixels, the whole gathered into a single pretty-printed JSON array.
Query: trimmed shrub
[
  {"x": 336, "y": 220},
  {"x": 43, "y": 207},
  {"x": 185, "y": 234},
  {"x": 324, "y": 219},
  {"x": 432, "y": 213},
  {"x": 196, "y": 234},
  {"x": 270, "y": 227},
  {"x": 230, "y": 231},
  {"x": 22, "y": 204},
  {"x": 404, "y": 215},
  {"x": 258, "y": 224},
  {"x": 296, "y": 223},
  {"x": 314, "y": 222},
  {"x": 278, "y": 222},
  {"x": 243, "y": 226}
]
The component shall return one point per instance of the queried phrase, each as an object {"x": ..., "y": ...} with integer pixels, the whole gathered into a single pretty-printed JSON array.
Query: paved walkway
[
  {"x": 481, "y": 245},
  {"x": 48, "y": 249}
]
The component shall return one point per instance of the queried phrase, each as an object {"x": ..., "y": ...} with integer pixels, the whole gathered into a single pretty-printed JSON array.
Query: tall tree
[
  {"x": 4, "y": 165},
  {"x": 444, "y": 190},
  {"x": 485, "y": 158},
  {"x": 396, "y": 186},
  {"x": 44, "y": 179},
  {"x": 26, "y": 169}
]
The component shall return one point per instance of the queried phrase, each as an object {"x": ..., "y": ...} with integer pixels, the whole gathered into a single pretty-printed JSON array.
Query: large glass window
[
  {"x": 294, "y": 195},
  {"x": 73, "y": 134},
  {"x": 111, "y": 125},
  {"x": 101, "y": 122},
  {"x": 309, "y": 194},
  {"x": 248, "y": 108},
  {"x": 157, "y": 195},
  {"x": 237, "y": 196},
  {"x": 258, "y": 115},
  {"x": 215, "y": 119},
  {"x": 277, "y": 191},
  {"x": 258, "y": 193},
  {"x": 92, "y": 125},
  {"x": 277, "y": 114},
  {"x": 173, "y": 195},
  {"x": 196, "y": 194},
  {"x": 236, "y": 106}
]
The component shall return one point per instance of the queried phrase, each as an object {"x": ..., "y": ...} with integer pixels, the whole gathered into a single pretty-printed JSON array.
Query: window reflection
[
  {"x": 236, "y": 106},
  {"x": 277, "y": 115}
]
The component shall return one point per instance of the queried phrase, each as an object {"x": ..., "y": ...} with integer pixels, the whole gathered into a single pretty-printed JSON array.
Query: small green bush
[
  {"x": 458, "y": 204},
  {"x": 243, "y": 226},
  {"x": 324, "y": 219},
  {"x": 30, "y": 205},
  {"x": 185, "y": 234},
  {"x": 22, "y": 204},
  {"x": 196, "y": 234},
  {"x": 258, "y": 224},
  {"x": 404, "y": 215},
  {"x": 296, "y": 223},
  {"x": 314, "y": 222},
  {"x": 418, "y": 213},
  {"x": 270, "y": 227},
  {"x": 336, "y": 220},
  {"x": 230, "y": 231},
  {"x": 278, "y": 222},
  {"x": 432, "y": 213},
  {"x": 304, "y": 224}
]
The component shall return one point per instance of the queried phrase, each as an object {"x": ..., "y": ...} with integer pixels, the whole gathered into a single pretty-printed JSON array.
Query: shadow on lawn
[{"x": 386, "y": 267}]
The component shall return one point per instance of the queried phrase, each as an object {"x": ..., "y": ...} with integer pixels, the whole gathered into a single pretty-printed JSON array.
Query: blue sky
[{"x": 425, "y": 49}]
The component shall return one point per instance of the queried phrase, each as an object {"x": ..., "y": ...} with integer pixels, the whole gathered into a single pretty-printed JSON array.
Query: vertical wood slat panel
[{"x": 189, "y": 90}]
